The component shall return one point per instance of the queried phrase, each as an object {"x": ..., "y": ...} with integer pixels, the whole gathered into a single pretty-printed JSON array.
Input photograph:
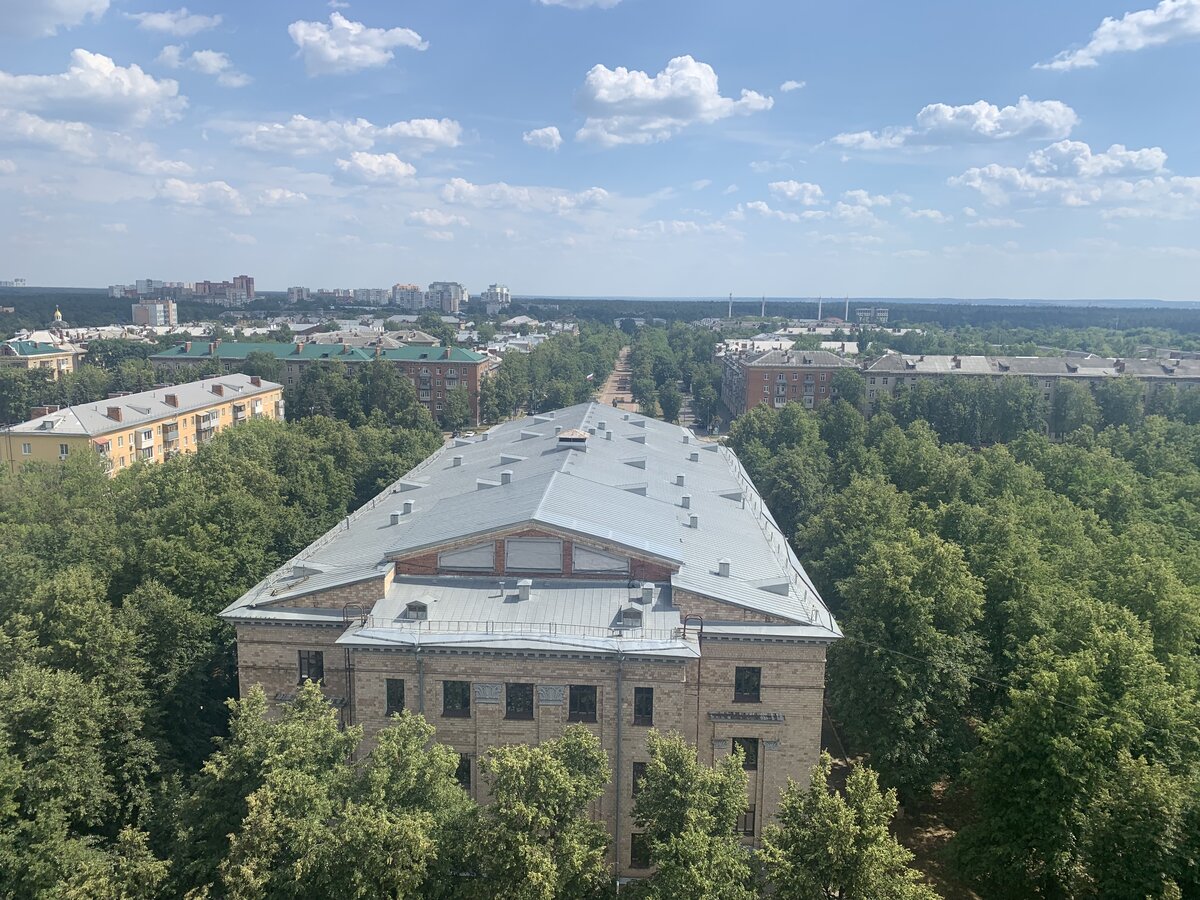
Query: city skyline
[{"x": 590, "y": 147}]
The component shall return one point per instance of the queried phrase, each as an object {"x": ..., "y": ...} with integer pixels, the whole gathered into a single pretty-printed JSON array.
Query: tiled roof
[{"x": 32, "y": 348}]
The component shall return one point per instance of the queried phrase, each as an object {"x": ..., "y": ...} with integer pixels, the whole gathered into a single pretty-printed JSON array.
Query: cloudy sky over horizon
[{"x": 590, "y": 147}]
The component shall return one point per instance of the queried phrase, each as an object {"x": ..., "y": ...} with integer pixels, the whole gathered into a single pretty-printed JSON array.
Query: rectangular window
[
  {"x": 463, "y": 773},
  {"x": 120, "y": 440},
  {"x": 395, "y": 696},
  {"x": 312, "y": 665},
  {"x": 749, "y": 748},
  {"x": 518, "y": 701},
  {"x": 745, "y": 823},
  {"x": 747, "y": 684},
  {"x": 643, "y": 706},
  {"x": 148, "y": 434},
  {"x": 533, "y": 555},
  {"x": 456, "y": 699},
  {"x": 26, "y": 449},
  {"x": 63, "y": 450},
  {"x": 639, "y": 851},
  {"x": 639, "y": 772},
  {"x": 582, "y": 704}
]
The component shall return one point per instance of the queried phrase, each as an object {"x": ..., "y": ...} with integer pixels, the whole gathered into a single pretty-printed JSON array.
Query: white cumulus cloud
[
  {"x": 214, "y": 195},
  {"x": 940, "y": 123},
  {"x": 628, "y": 106},
  {"x": 178, "y": 22},
  {"x": 346, "y": 46},
  {"x": 929, "y": 215},
  {"x": 94, "y": 88},
  {"x": 1170, "y": 21},
  {"x": 7, "y": 167},
  {"x": 379, "y": 167},
  {"x": 805, "y": 192},
  {"x": 281, "y": 197},
  {"x": 302, "y": 136},
  {"x": 84, "y": 143},
  {"x": 547, "y": 138},
  {"x": 435, "y": 218},
  {"x": 1124, "y": 184},
  {"x": 43, "y": 18},
  {"x": 788, "y": 86},
  {"x": 206, "y": 62},
  {"x": 500, "y": 195}
]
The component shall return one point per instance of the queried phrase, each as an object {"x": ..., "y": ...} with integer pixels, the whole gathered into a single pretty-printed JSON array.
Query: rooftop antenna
[
  {"x": 819, "y": 317},
  {"x": 764, "y": 307},
  {"x": 846, "y": 317},
  {"x": 731, "y": 304}
]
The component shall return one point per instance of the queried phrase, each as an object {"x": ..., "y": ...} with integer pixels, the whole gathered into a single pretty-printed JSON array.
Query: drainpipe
[
  {"x": 620, "y": 772},
  {"x": 420, "y": 682}
]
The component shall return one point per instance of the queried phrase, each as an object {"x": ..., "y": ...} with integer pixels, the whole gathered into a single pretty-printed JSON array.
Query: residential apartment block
[
  {"x": 447, "y": 296},
  {"x": 434, "y": 371},
  {"x": 58, "y": 358},
  {"x": 779, "y": 377},
  {"x": 155, "y": 312},
  {"x": 888, "y": 374},
  {"x": 584, "y": 565},
  {"x": 146, "y": 427}
]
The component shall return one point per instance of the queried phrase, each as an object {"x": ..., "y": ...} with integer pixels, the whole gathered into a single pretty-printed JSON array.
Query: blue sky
[{"x": 627, "y": 147}]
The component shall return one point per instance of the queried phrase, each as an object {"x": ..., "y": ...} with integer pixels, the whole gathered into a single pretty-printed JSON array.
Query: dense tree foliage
[
  {"x": 1022, "y": 625},
  {"x": 553, "y": 375}
]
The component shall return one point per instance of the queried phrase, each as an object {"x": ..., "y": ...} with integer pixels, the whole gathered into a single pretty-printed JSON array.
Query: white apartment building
[
  {"x": 408, "y": 296},
  {"x": 448, "y": 296},
  {"x": 155, "y": 312},
  {"x": 496, "y": 294}
]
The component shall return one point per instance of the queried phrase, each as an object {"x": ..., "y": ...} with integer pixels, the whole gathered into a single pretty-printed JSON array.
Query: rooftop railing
[{"x": 516, "y": 629}]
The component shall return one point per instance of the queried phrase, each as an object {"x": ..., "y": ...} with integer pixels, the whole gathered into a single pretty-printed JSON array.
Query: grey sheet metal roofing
[{"x": 614, "y": 491}]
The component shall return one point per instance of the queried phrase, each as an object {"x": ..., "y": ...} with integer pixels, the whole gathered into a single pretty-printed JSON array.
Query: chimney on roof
[
  {"x": 256, "y": 380},
  {"x": 218, "y": 390},
  {"x": 187, "y": 346},
  {"x": 558, "y": 429},
  {"x": 687, "y": 438},
  {"x": 647, "y": 592},
  {"x": 694, "y": 456},
  {"x": 114, "y": 413},
  {"x": 408, "y": 506},
  {"x": 524, "y": 586},
  {"x": 395, "y": 517},
  {"x": 602, "y": 425},
  {"x": 212, "y": 347},
  {"x": 455, "y": 462},
  {"x": 171, "y": 399},
  {"x": 693, "y": 521},
  {"x": 506, "y": 476},
  {"x": 686, "y": 501},
  {"x": 608, "y": 435},
  {"x": 723, "y": 568},
  {"x": 446, "y": 353},
  {"x": 680, "y": 480}
]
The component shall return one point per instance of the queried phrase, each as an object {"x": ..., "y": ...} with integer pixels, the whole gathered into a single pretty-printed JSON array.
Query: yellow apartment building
[
  {"x": 58, "y": 358},
  {"x": 150, "y": 426}
]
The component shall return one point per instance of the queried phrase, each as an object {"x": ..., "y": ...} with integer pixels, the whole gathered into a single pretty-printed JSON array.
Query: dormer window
[
  {"x": 631, "y": 618},
  {"x": 416, "y": 610}
]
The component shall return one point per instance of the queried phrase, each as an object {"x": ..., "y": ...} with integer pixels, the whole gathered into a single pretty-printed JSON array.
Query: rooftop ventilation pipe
[
  {"x": 694, "y": 456},
  {"x": 524, "y": 586},
  {"x": 680, "y": 480},
  {"x": 647, "y": 592},
  {"x": 591, "y": 431},
  {"x": 394, "y": 518},
  {"x": 602, "y": 425},
  {"x": 408, "y": 506},
  {"x": 694, "y": 521},
  {"x": 455, "y": 461},
  {"x": 723, "y": 568},
  {"x": 484, "y": 436},
  {"x": 686, "y": 501},
  {"x": 608, "y": 435},
  {"x": 558, "y": 429},
  {"x": 687, "y": 438},
  {"x": 506, "y": 476}
]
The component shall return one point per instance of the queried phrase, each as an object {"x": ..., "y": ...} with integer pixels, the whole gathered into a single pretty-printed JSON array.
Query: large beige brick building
[{"x": 585, "y": 565}]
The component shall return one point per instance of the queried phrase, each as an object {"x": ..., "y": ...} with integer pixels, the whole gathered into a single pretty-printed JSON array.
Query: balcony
[{"x": 239, "y": 412}]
